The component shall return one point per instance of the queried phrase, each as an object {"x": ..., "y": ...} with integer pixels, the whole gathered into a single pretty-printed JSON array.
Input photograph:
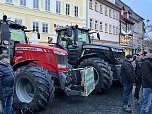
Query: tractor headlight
[
  {"x": 62, "y": 66},
  {"x": 62, "y": 59}
]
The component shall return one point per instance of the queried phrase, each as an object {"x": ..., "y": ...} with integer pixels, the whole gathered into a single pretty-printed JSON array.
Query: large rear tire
[
  {"x": 102, "y": 74},
  {"x": 33, "y": 87}
]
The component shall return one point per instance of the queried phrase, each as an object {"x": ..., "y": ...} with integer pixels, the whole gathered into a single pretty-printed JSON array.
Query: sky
[{"x": 141, "y": 7}]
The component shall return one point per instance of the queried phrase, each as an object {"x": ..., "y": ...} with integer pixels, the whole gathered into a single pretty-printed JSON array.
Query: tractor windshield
[
  {"x": 18, "y": 35},
  {"x": 83, "y": 36},
  {"x": 65, "y": 41}
]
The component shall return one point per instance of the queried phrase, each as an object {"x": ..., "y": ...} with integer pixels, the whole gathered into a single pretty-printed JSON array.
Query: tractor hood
[
  {"x": 103, "y": 46},
  {"x": 33, "y": 47}
]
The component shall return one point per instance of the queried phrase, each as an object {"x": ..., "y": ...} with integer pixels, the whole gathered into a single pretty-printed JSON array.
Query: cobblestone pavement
[{"x": 109, "y": 103}]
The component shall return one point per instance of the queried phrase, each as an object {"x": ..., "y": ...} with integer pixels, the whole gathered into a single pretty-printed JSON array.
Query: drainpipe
[{"x": 87, "y": 10}]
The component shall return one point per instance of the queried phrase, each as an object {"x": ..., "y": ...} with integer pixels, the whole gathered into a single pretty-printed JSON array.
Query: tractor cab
[
  {"x": 72, "y": 39},
  {"x": 71, "y": 36},
  {"x": 11, "y": 34}
]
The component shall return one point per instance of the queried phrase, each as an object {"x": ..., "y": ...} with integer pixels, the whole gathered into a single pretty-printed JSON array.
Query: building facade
[
  {"x": 103, "y": 17},
  {"x": 44, "y": 16},
  {"x": 131, "y": 29},
  {"x": 138, "y": 33}
]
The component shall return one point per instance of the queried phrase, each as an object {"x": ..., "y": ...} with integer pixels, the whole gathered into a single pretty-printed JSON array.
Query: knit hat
[
  {"x": 129, "y": 56},
  {"x": 2, "y": 56},
  {"x": 150, "y": 50}
]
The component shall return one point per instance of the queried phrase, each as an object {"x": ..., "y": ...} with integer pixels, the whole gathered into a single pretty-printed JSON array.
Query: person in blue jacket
[
  {"x": 147, "y": 83},
  {"x": 6, "y": 83}
]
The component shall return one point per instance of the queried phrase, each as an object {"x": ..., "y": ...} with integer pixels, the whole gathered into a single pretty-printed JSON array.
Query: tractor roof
[
  {"x": 66, "y": 27},
  {"x": 14, "y": 25}
]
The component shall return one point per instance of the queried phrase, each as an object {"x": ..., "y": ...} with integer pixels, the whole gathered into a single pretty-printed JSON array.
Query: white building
[{"x": 103, "y": 17}]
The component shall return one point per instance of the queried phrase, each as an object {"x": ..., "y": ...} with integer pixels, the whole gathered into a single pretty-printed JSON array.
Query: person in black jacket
[
  {"x": 138, "y": 77},
  {"x": 147, "y": 82},
  {"x": 127, "y": 79},
  {"x": 7, "y": 83}
]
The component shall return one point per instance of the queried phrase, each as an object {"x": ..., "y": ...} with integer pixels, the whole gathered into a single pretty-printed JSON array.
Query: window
[
  {"x": 110, "y": 29},
  {"x": 23, "y": 2},
  {"x": 110, "y": 15},
  {"x": 58, "y": 7},
  {"x": 101, "y": 26},
  {"x": 114, "y": 30},
  {"x": 18, "y": 21},
  {"x": 106, "y": 28},
  {"x": 47, "y": 5},
  {"x": 96, "y": 25},
  {"x": 101, "y": 8},
  {"x": 117, "y": 31},
  {"x": 91, "y": 23},
  {"x": 117, "y": 16},
  {"x": 44, "y": 28},
  {"x": 106, "y": 10},
  {"x": 96, "y": 6},
  {"x": 114, "y": 15},
  {"x": 67, "y": 9},
  {"x": 76, "y": 11},
  {"x": 9, "y": 1},
  {"x": 36, "y": 26},
  {"x": 90, "y": 4},
  {"x": 36, "y": 4}
]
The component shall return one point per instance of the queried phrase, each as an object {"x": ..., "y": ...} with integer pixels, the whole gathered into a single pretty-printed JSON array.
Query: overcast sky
[{"x": 141, "y": 7}]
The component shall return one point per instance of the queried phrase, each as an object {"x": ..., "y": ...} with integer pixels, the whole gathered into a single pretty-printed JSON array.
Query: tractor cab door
[{"x": 17, "y": 35}]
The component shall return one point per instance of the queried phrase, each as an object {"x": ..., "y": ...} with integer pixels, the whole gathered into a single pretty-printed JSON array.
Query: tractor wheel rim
[
  {"x": 96, "y": 75},
  {"x": 24, "y": 90}
]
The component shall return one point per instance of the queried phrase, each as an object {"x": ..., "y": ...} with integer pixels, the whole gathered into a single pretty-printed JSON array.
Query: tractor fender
[
  {"x": 85, "y": 57},
  {"x": 22, "y": 63}
]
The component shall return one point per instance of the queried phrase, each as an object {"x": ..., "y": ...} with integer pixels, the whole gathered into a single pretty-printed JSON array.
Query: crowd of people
[{"x": 137, "y": 69}]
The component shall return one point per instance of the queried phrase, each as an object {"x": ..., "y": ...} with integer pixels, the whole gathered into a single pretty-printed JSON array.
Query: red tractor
[{"x": 39, "y": 70}]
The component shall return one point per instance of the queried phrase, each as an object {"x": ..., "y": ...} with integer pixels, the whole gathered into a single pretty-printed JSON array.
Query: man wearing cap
[
  {"x": 147, "y": 82},
  {"x": 127, "y": 79},
  {"x": 7, "y": 83}
]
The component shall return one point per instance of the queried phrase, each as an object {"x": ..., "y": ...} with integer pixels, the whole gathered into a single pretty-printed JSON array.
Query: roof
[
  {"x": 127, "y": 8},
  {"x": 14, "y": 25}
]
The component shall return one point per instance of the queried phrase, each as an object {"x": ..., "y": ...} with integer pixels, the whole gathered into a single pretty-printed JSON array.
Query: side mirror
[
  {"x": 50, "y": 39},
  {"x": 5, "y": 42},
  {"x": 69, "y": 32},
  {"x": 38, "y": 35},
  {"x": 98, "y": 36}
]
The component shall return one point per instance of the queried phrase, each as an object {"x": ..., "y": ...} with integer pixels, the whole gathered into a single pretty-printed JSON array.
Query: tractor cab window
[
  {"x": 17, "y": 35},
  {"x": 64, "y": 40},
  {"x": 83, "y": 36}
]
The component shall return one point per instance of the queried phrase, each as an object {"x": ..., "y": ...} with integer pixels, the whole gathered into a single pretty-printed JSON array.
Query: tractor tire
[
  {"x": 102, "y": 75},
  {"x": 34, "y": 88}
]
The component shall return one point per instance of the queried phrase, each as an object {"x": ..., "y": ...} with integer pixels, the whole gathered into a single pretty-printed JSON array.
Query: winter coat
[
  {"x": 147, "y": 73},
  {"x": 6, "y": 79},
  {"x": 127, "y": 73},
  {"x": 138, "y": 69}
]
